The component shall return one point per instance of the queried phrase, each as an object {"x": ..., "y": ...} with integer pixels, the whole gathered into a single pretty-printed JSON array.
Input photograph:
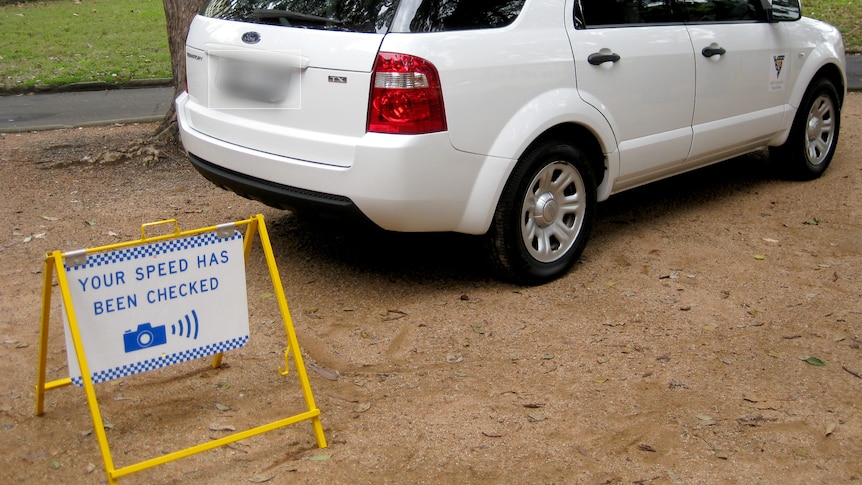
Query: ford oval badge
[{"x": 251, "y": 37}]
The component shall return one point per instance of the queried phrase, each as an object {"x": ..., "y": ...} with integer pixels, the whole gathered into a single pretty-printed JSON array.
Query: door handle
[
  {"x": 597, "y": 58},
  {"x": 713, "y": 50}
]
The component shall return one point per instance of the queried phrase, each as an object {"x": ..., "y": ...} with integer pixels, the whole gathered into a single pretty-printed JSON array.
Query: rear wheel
[
  {"x": 814, "y": 135},
  {"x": 545, "y": 214}
]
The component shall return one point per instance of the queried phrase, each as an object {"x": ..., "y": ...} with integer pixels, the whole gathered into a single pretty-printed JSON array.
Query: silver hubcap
[
  {"x": 821, "y": 130},
  {"x": 553, "y": 212}
]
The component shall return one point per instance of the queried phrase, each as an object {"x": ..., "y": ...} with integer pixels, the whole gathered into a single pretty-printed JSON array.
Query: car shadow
[
  {"x": 338, "y": 249},
  {"x": 345, "y": 250},
  {"x": 689, "y": 191}
]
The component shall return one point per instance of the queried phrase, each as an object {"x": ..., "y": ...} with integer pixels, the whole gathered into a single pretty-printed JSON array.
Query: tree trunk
[{"x": 178, "y": 16}]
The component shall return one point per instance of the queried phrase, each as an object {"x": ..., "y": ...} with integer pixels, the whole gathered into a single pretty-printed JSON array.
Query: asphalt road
[
  {"x": 65, "y": 110},
  {"x": 28, "y": 112}
]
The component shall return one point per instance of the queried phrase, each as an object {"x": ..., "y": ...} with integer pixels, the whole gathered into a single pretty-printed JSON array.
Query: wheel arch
[
  {"x": 580, "y": 136},
  {"x": 832, "y": 72},
  {"x": 559, "y": 113},
  {"x": 835, "y": 75},
  {"x": 577, "y": 134}
]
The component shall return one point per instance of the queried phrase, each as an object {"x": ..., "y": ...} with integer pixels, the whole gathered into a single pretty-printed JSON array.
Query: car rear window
[
  {"x": 354, "y": 16},
  {"x": 378, "y": 16}
]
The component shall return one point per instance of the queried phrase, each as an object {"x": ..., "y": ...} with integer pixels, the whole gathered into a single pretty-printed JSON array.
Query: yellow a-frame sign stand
[{"x": 54, "y": 262}]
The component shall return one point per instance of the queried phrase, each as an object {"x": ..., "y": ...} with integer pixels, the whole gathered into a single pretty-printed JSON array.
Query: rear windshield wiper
[{"x": 289, "y": 15}]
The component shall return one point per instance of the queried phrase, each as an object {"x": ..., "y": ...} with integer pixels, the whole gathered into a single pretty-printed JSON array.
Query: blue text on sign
[
  {"x": 182, "y": 290},
  {"x": 106, "y": 280},
  {"x": 174, "y": 266}
]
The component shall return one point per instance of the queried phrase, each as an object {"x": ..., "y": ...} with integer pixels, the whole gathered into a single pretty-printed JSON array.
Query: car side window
[
  {"x": 723, "y": 10},
  {"x": 601, "y": 13},
  {"x": 450, "y": 15}
]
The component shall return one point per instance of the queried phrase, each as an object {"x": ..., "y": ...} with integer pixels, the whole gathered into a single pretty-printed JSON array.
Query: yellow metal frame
[{"x": 54, "y": 263}]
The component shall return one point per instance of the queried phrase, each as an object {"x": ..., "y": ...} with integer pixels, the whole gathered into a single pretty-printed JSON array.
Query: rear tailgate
[{"x": 293, "y": 92}]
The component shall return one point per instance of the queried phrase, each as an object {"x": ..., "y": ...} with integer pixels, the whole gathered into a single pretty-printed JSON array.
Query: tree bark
[{"x": 178, "y": 17}]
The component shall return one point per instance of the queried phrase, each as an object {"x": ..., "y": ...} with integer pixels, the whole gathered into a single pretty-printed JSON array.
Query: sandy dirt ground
[{"x": 682, "y": 348}]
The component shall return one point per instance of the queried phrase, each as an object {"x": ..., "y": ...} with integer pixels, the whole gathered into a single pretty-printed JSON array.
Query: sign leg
[
  {"x": 292, "y": 341},
  {"x": 48, "y": 275}
]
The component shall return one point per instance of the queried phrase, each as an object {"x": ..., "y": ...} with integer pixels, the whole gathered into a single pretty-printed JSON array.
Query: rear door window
[{"x": 603, "y": 13}]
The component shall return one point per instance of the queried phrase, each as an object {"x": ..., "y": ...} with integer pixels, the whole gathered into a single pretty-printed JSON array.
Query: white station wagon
[{"x": 504, "y": 118}]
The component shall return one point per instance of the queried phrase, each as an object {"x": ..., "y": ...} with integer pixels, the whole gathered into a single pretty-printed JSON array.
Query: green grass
[
  {"x": 63, "y": 41},
  {"x": 57, "y": 42},
  {"x": 844, "y": 14}
]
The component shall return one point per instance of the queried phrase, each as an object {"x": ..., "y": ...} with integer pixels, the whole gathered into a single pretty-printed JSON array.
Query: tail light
[{"x": 406, "y": 97}]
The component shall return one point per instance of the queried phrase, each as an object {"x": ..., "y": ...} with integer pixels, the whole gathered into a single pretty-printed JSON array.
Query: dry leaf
[
  {"x": 852, "y": 372},
  {"x": 769, "y": 404},
  {"x": 327, "y": 374},
  {"x": 260, "y": 479},
  {"x": 221, "y": 427}
]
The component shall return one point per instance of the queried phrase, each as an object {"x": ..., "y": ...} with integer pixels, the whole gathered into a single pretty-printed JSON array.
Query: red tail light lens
[{"x": 405, "y": 96}]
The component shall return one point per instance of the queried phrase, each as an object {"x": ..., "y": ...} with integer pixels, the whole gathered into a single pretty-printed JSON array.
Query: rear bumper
[
  {"x": 274, "y": 194},
  {"x": 400, "y": 183}
]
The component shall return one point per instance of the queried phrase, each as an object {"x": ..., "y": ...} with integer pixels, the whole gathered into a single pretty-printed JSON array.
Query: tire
[
  {"x": 814, "y": 135},
  {"x": 545, "y": 214}
]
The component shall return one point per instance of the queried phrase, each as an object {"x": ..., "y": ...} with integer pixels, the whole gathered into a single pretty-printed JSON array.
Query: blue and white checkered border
[
  {"x": 163, "y": 361},
  {"x": 147, "y": 250}
]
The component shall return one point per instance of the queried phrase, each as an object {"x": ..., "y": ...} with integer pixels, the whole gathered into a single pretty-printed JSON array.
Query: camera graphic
[{"x": 144, "y": 337}]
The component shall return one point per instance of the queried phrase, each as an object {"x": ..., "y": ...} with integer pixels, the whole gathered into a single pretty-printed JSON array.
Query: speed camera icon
[{"x": 144, "y": 337}]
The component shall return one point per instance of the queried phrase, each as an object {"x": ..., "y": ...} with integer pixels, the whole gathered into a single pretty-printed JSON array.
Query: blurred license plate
[{"x": 249, "y": 80}]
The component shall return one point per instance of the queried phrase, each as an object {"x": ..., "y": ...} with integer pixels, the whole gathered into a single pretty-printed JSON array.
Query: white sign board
[{"x": 150, "y": 306}]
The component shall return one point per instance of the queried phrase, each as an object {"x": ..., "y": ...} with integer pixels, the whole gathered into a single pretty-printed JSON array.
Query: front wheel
[
  {"x": 545, "y": 214},
  {"x": 814, "y": 135}
]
